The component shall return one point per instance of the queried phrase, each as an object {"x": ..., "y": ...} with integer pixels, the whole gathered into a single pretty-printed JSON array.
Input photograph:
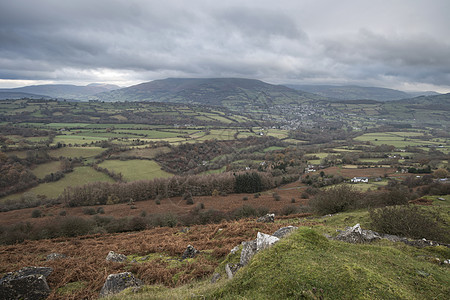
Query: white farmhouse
[{"x": 360, "y": 179}]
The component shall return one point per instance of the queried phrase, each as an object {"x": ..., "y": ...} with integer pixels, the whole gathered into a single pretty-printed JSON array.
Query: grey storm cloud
[{"x": 393, "y": 43}]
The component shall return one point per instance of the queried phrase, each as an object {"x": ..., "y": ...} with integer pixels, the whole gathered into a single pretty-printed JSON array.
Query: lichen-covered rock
[
  {"x": 115, "y": 257},
  {"x": 54, "y": 256},
  {"x": 248, "y": 250},
  {"x": 190, "y": 252},
  {"x": 115, "y": 283},
  {"x": 234, "y": 250},
  {"x": 269, "y": 218},
  {"x": 264, "y": 241},
  {"x": 27, "y": 283},
  {"x": 357, "y": 235},
  {"x": 282, "y": 232}
]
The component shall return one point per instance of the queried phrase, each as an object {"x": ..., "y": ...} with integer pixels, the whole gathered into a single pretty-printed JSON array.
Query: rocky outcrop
[
  {"x": 285, "y": 231},
  {"x": 264, "y": 241},
  {"x": 190, "y": 252},
  {"x": 27, "y": 283},
  {"x": 248, "y": 250},
  {"x": 269, "y": 218},
  {"x": 115, "y": 283},
  {"x": 357, "y": 235},
  {"x": 115, "y": 257}
]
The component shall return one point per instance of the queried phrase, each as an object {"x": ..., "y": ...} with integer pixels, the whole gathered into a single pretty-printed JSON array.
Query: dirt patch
[{"x": 422, "y": 201}]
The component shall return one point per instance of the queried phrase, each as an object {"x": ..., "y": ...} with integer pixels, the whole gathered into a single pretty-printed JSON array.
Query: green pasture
[
  {"x": 273, "y": 148},
  {"x": 72, "y": 152},
  {"x": 79, "y": 176},
  {"x": 144, "y": 152},
  {"x": 135, "y": 169},
  {"x": 396, "y": 139},
  {"x": 44, "y": 169}
]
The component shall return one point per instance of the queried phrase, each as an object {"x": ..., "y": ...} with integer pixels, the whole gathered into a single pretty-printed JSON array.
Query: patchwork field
[{"x": 135, "y": 169}]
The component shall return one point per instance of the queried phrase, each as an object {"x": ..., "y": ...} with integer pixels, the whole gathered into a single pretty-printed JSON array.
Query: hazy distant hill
[
  {"x": 356, "y": 92},
  {"x": 228, "y": 92},
  {"x": 19, "y": 95},
  {"x": 436, "y": 102},
  {"x": 64, "y": 91}
]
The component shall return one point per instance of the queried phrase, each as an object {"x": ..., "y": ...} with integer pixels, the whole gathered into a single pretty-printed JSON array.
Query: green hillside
[{"x": 228, "y": 92}]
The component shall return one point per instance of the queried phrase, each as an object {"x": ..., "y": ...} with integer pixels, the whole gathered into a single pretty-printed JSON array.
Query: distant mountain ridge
[
  {"x": 63, "y": 91},
  {"x": 352, "y": 92},
  {"x": 228, "y": 92}
]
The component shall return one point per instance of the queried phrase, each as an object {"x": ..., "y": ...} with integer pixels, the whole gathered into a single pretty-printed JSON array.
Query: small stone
[
  {"x": 54, "y": 256},
  {"x": 231, "y": 269},
  {"x": 190, "y": 252},
  {"x": 115, "y": 257},
  {"x": 269, "y": 218},
  {"x": 115, "y": 283},
  {"x": 215, "y": 277}
]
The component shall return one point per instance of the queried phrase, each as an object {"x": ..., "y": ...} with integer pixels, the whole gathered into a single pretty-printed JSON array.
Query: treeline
[{"x": 101, "y": 193}]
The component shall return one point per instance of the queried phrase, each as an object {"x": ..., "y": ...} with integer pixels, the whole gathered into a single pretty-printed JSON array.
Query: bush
[
  {"x": 333, "y": 200},
  {"x": 293, "y": 200},
  {"x": 74, "y": 226},
  {"x": 36, "y": 213},
  {"x": 276, "y": 197},
  {"x": 62, "y": 213},
  {"x": 410, "y": 221},
  {"x": 304, "y": 196},
  {"x": 245, "y": 198},
  {"x": 256, "y": 196},
  {"x": 100, "y": 210},
  {"x": 244, "y": 211},
  {"x": 289, "y": 210},
  {"x": 89, "y": 211},
  {"x": 157, "y": 202},
  {"x": 143, "y": 214},
  {"x": 248, "y": 183}
]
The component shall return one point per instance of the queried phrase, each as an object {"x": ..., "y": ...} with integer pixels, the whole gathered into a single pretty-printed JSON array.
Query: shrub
[
  {"x": 276, "y": 197},
  {"x": 89, "y": 211},
  {"x": 256, "y": 195},
  {"x": 100, "y": 210},
  {"x": 188, "y": 198},
  {"x": 304, "y": 195},
  {"x": 245, "y": 198},
  {"x": 158, "y": 202},
  {"x": 73, "y": 226},
  {"x": 62, "y": 213},
  {"x": 137, "y": 224},
  {"x": 293, "y": 200},
  {"x": 410, "y": 221},
  {"x": 36, "y": 213},
  {"x": 244, "y": 211},
  {"x": 289, "y": 210},
  {"x": 143, "y": 214},
  {"x": 333, "y": 200}
]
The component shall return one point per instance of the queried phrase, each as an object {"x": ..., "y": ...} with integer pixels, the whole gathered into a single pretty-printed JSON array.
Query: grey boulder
[
  {"x": 115, "y": 283},
  {"x": 28, "y": 283}
]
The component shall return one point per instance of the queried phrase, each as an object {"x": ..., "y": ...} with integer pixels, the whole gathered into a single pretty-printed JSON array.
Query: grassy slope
[{"x": 307, "y": 266}]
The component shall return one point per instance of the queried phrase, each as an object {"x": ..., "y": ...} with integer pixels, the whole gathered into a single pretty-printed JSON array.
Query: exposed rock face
[
  {"x": 248, "y": 250},
  {"x": 27, "y": 283},
  {"x": 356, "y": 235},
  {"x": 115, "y": 257},
  {"x": 234, "y": 250},
  {"x": 264, "y": 241},
  {"x": 190, "y": 252},
  {"x": 54, "y": 256},
  {"x": 269, "y": 218},
  {"x": 282, "y": 232},
  {"x": 115, "y": 283}
]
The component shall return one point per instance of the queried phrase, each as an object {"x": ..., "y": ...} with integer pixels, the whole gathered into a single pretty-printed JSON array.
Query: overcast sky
[{"x": 402, "y": 44}]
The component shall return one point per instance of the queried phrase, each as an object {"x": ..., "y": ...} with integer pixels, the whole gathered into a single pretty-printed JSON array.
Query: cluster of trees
[
  {"x": 14, "y": 176},
  {"x": 212, "y": 154},
  {"x": 101, "y": 193}
]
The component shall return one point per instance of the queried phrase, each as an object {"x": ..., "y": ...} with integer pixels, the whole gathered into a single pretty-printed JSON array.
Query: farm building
[{"x": 360, "y": 179}]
